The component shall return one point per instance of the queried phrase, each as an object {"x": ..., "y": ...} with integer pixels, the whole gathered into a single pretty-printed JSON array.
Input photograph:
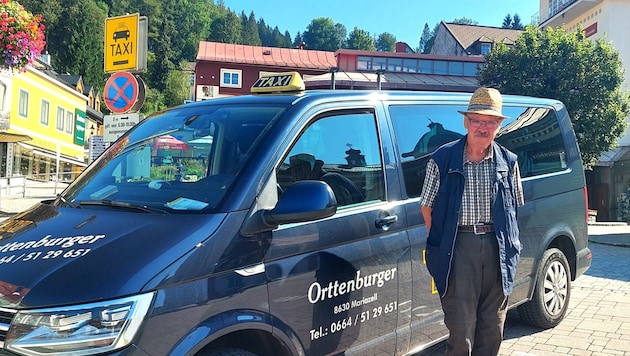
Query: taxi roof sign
[{"x": 279, "y": 82}]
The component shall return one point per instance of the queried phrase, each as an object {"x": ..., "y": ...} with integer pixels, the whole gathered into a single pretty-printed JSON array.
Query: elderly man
[{"x": 469, "y": 203}]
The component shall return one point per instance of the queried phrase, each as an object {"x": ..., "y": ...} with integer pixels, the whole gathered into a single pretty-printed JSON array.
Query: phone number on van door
[{"x": 342, "y": 324}]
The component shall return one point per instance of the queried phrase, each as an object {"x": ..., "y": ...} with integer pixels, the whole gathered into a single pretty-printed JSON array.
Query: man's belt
[{"x": 477, "y": 229}]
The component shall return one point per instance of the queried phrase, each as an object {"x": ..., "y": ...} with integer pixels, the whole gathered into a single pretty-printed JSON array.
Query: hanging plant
[{"x": 21, "y": 36}]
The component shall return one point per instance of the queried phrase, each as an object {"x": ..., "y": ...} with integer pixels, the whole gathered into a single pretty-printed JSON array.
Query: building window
[
  {"x": 44, "y": 112},
  {"x": 426, "y": 66},
  {"x": 394, "y": 65},
  {"x": 485, "y": 48},
  {"x": 69, "y": 121},
  {"x": 410, "y": 65},
  {"x": 471, "y": 69},
  {"x": 379, "y": 63},
  {"x": 23, "y": 104},
  {"x": 364, "y": 63},
  {"x": 61, "y": 114},
  {"x": 440, "y": 67},
  {"x": 231, "y": 78},
  {"x": 455, "y": 68}
]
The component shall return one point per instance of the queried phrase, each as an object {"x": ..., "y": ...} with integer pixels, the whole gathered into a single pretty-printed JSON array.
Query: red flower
[{"x": 21, "y": 36}]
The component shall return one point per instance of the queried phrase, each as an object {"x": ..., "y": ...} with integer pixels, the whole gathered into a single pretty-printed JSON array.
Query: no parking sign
[{"x": 124, "y": 92}]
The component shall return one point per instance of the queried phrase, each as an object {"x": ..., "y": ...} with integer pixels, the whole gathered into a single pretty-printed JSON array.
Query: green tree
[
  {"x": 386, "y": 42},
  {"x": 465, "y": 21},
  {"x": 512, "y": 22},
  {"x": 50, "y": 10},
  {"x": 264, "y": 32},
  {"x": 297, "y": 41},
  {"x": 516, "y": 23},
  {"x": 429, "y": 44},
  {"x": 161, "y": 46},
  {"x": 279, "y": 39},
  {"x": 226, "y": 29},
  {"x": 177, "y": 86},
  {"x": 360, "y": 39},
  {"x": 154, "y": 99},
  {"x": 342, "y": 33},
  {"x": 507, "y": 21},
  {"x": 584, "y": 74},
  {"x": 250, "y": 34},
  {"x": 424, "y": 38},
  {"x": 324, "y": 35},
  {"x": 193, "y": 19},
  {"x": 154, "y": 102},
  {"x": 76, "y": 43}
]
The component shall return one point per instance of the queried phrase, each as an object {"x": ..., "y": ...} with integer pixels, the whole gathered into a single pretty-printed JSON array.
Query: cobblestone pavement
[{"x": 597, "y": 322}]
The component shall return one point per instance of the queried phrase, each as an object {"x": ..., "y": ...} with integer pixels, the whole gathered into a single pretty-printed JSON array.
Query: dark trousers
[{"x": 474, "y": 304}]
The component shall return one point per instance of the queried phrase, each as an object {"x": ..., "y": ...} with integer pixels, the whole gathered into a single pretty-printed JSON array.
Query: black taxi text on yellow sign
[{"x": 279, "y": 82}]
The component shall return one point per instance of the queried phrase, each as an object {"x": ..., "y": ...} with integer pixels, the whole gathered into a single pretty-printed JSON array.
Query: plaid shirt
[{"x": 478, "y": 192}]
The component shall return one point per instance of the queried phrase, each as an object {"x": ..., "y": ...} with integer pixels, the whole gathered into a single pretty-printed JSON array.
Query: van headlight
[{"x": 80, "y": 329}]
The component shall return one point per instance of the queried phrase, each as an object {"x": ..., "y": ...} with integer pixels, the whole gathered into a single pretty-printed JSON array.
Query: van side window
[
  {"x": 341, "y": 150},
  {"x": 532, "y": 133},
  {"x": 419, "y": 130}
]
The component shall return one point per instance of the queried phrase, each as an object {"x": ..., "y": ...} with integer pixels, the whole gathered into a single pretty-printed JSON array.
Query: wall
[
  {"x": 445, "y": 44},
  {"x": 40, "y": 86}
]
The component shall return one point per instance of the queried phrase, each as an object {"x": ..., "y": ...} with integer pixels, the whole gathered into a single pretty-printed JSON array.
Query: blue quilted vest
[{"x": 446, "y": 209}]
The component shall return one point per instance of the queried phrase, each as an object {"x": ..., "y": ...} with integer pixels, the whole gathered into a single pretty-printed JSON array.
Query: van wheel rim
[{"x": 555, "y": 288}]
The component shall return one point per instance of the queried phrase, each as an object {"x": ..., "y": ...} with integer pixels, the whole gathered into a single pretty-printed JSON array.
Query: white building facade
[{"x": 609, "y": 181}]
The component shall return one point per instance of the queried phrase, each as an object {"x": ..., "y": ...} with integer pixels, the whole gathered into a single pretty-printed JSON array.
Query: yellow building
[{"x": 45, "y": 133}]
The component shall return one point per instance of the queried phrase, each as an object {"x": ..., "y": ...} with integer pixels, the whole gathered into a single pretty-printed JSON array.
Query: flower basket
[{"x": 22, "y": 36}]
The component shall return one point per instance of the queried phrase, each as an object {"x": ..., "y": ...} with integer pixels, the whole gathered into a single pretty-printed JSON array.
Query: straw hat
[{"x": 485, "y": 101}]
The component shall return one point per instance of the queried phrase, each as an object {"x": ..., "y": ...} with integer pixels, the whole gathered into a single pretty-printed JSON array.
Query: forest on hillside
[{"x": 75, "y": 36}]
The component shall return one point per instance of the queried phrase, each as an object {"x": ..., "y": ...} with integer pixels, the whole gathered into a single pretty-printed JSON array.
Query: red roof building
[{"x": 225, "y": 69}]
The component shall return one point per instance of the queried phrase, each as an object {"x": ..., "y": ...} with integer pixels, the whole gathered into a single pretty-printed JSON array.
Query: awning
[
  {"x": 609, "y": 158},
  {"x": 12, "y": 137},
  {"x": 62, "y": 158}
]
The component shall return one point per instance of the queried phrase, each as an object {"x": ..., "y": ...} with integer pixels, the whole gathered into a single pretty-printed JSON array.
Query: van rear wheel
[
  {"x": 551, "y": 294},
  {"x": 228, "y": 351}
]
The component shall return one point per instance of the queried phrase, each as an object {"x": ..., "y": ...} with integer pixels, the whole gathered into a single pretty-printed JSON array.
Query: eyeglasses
[{"x": 490, "y": 124}]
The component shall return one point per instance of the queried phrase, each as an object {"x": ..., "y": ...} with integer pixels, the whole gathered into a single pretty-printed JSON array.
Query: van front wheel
[{"x": 551, "y": 294}]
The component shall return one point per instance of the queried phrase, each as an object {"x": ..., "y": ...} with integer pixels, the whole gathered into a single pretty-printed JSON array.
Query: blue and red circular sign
[{"x": 122, "y": 91}]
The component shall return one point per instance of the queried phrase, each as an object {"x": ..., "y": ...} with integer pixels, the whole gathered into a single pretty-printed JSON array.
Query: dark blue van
[{"x": 286, "y": 222}]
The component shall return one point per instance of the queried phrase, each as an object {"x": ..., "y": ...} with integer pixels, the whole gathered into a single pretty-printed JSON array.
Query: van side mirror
[{"x": 302, "y": 201}]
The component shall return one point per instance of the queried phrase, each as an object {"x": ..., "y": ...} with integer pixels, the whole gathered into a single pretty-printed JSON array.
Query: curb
[{"x": 608, "y": 243}]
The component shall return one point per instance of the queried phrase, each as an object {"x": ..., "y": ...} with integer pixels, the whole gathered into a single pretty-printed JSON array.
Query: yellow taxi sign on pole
[
  {"x": 278, "y": 82},
  {"x": 121, "y": 43}
]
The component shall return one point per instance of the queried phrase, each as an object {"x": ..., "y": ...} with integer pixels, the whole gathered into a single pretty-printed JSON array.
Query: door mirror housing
[{"x": 302, "y": 201}]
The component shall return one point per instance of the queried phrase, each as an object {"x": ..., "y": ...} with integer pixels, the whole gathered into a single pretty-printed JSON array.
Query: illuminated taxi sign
[{"x": 279, "y": 82}]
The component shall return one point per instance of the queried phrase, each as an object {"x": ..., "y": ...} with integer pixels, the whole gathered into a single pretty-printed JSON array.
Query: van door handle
[{"x": 386, "y": 220}]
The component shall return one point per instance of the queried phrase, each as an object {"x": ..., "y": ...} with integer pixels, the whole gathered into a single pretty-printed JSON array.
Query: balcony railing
[{"x": 555, "y": 7}]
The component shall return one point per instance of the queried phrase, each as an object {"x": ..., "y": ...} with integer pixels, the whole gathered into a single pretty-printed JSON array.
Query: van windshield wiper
[
  {"x": 67, "y": 202},
  {"x": 124, "y": 205}
]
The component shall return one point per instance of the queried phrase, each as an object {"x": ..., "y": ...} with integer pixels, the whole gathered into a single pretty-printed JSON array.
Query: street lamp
[
  {"x": 379, "y": 72},
  {"x": 333, "y": 70}
]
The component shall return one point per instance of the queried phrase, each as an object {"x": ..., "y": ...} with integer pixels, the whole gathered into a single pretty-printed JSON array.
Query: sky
[{"x": 404, "y": 19}]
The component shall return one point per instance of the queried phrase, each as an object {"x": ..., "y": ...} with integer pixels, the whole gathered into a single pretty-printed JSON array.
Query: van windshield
[{"x": 180, "y": 160}]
